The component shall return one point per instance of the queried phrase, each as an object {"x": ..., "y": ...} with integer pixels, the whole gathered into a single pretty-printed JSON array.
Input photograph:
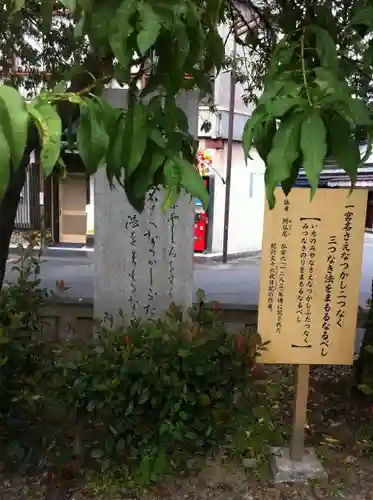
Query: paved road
[{"x": 233, "y": 283}]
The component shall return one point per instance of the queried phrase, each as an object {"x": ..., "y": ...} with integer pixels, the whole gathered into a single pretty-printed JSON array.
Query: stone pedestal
[
  {"x": 286, "y": 470},
  {"x": 142, "y": 262}
]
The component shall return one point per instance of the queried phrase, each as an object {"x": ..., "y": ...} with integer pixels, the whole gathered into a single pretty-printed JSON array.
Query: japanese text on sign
[{"x": 311, "y": 258}]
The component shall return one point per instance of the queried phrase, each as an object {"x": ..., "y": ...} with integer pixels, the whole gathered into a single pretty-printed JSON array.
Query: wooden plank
[{"x": 300, "y": 412}]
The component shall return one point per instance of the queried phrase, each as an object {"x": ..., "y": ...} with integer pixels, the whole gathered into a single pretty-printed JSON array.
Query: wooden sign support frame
[
  {"x": 308, "y": 301},
  {"x": 300, "y": 412}
]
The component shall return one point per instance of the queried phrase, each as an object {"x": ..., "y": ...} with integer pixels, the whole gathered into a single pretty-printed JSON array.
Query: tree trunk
[{"x": 8, "y": 211}]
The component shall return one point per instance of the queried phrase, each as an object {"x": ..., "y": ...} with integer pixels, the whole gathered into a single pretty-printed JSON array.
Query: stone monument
[{"x": 142, "y": 262}]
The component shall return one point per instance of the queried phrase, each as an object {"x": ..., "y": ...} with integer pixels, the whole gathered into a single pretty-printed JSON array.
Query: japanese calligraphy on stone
[
  {"x": 151, "y": 234},
  {"x": 132, "y": 225},
  {"x": 311, "y": 258}
]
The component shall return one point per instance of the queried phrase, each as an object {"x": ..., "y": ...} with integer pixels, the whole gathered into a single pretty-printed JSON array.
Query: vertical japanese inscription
[
  {"x": 277, "y": 270},
  {"x": 172, "y": 220},
  {"x": 310, "y": 280},
  {"x": 281, "y": 286},
  {"x": 308, "y": 299},
  {"x": 152, "y": 241},
  {"x": 131, "y": 225},
  {"x": 328, "y": 282},
  {"x": 302, "y": 271},
  {"x": 309, "y": 227},
  {"x": 344, "y": 265},
  {"x": 272, "y": 281},
  {"x": 286, "y": 225}
]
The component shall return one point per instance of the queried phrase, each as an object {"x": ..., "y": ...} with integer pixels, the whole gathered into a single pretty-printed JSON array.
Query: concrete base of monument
[{"x": 286, "y": 470}]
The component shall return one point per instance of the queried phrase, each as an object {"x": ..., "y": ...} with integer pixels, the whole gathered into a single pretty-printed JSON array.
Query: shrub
[
  {"x": 159, "y": 388},
  {"x": 147, "y": 395},
  {"x": 363, "y": 365},
  {"x": 20, "y": 339}
]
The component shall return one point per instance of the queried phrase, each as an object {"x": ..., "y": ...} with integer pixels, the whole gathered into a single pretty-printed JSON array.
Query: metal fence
[{"x": 28, "y": 213}]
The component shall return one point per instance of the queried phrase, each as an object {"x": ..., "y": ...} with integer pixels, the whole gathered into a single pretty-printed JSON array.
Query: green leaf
[
  {"x": 120, "y": 446},
  {"x": 80, "y": 28},
  {"x": 150, "y": 28},
  {"x": 192, "y": 181},
  {"x": 92, "y": 138},
  {"x": 175, "y": 141},
  {"x": 172, "y": 181},
  {"x": 215, "y": 7},
  {"x": 115, "y": 151},
  {"x": 183, "y": 43},
  {"x": 284, "y": 152},
  {"x": 50, "y": 128},
  {"x": 288, "y": 183},
  {"x": 46, "y": 14},
  {"x": 280, "y": 106},
  {"x": 368, "y": 348},
  {"x": 195, "y": 33},
  {"x": 156, "y": 136},
  {"x": 249, "y": 131},
  {"x": 314, "y": 147},
  {"x": 143, "y": 177},
  {"x": 331, "y": 85},
  {"x": 69, "y": 4},
  {"x": 121, "y": 29},
  {"x": 14, "y": 119},
  {"x": 171, "y": 195},
  {"x": 201, "y": 295},
  {"x": 139, "y": 184},
  {"x": 359, "y": 112},
  {"x": 17, "y": 5},
  {"x": 171, "y": 173},
  {"x": 138, "y": 203},
  {"x": 282, "y": 55},
  {"x": 182, "y": 119},
  {"x": 97, "y": 454},
  {"x": 263, "y": 138},
  {"x": 216, "y": 48},
  {"x": 280, "y": 87},
  {"x": 325, "y": 47},
  {"x": 364, "y": 16},
  {"x": 343, "y": 146},
  {"x": 4, "y": 163},
  {"x": 135, "y": 138},
  {"x": 365, "y": 389}
]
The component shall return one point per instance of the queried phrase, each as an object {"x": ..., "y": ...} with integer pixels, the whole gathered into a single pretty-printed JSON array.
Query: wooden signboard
[{"x": 310, "y": 276}]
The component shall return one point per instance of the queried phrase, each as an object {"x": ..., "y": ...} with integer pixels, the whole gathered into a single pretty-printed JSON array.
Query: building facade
[{"x": 69, "y": 201}]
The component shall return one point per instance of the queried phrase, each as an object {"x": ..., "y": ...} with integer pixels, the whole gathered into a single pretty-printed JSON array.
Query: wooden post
[{"x": 300, "y": 412}]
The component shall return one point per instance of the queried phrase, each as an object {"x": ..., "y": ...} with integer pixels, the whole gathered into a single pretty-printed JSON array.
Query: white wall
[
  {"x": 246, "y": 201},
  {"x": 90, "y": 209}
]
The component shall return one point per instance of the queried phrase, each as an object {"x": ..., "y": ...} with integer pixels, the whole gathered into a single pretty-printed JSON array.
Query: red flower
[
  {"x": 127, "y": 340},
  {"x": 240, "y": 343},
  {"x": 258, "y": 372},
  {"x": 215, "y": 306},
  {"x": 60, "y": 285}
]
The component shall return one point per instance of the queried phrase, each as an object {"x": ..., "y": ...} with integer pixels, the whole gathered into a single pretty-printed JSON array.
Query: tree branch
[
  {"x": 86, "y": 81},
  {"x": 95, "y": 71}
]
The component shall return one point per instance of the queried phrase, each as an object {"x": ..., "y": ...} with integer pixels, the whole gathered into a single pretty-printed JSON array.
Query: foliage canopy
[{"x": 315, "y": 83}]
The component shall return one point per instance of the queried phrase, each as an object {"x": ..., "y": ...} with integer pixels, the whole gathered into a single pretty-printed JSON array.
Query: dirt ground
[{"x": 339, "y": 427}]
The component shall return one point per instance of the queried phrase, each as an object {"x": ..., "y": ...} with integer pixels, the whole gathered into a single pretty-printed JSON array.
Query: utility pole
[
  {"x": 228, "y": 176},
  {"x": 43, "y": 242}
]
